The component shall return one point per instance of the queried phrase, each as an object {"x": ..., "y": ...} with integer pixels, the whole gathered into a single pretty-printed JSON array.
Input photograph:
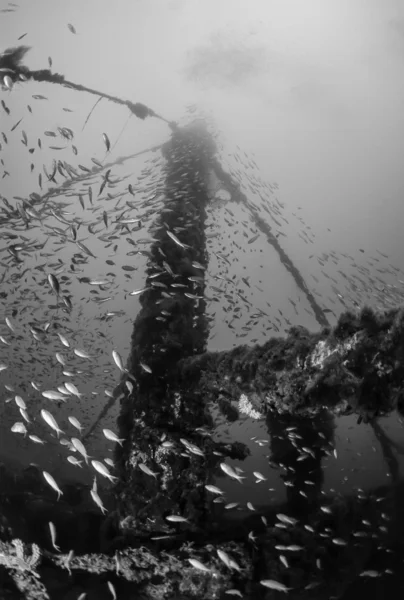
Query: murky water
[{"x": 334, "y": 211}]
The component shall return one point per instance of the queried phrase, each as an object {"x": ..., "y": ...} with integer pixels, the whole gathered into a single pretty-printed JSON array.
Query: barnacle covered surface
[{"x": 355, "y": 367}]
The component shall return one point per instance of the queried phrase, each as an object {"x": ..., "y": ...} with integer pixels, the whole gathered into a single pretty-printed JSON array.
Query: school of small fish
[{"x": 56, "y": 241}]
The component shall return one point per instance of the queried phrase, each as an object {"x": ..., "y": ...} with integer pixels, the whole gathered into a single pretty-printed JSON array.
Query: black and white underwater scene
[{"x": 201, "y": 299}]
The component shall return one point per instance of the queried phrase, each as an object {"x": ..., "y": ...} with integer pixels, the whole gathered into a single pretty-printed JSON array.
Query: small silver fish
[
  {"x": 36, "y": 439},
  {"x": 339, "y": 542},
  {"x": 74, "y": 461},
  {"x": 112, "y": 590},
  {"x": 19, "y": 428},
  {"x": 101, "y": 468},
  {"x": 80, "y": 448},
  {"x": 224, "y": 557},
  {"x": 50, "y": 420},
  {"x": 20, "y": 402},
  {"x": 72, "y": 389},
  {"x": 198, "y": 565},
  {"x": 176, "y": 519},
  {"x": 53, "y": 536},
  {"x": 213, "y": 489},
  {"x": 286, "y": 519},
  {"x": 284, "y": 561},
  {"x": 9, "y": 324},
  {"x": 231, "y": 472},
  {"x": 146, "y": 470},
  {"x": 49, "y": 479},
  {"x": 98, "y": 501},
  {"x": 99, "y": 282},
  {"x": 137, "y": 292},
  {"x": 54, "y": 283},
  {"x": 252, "y": 537},
  {"x": 117, "y": 563},
  {"x": 64, "y": 340},
  {"x": 75, "y": 423},
  {"x": 231, "y": 505},
  {"x": 118, "y": 361},
  {"x": 62, "y": 389},
  {"x": 168, "y": 444},
  {"x": 51, "y": 395},
  {"x": 8, "y": 82},
  {"x": 82, "y": 353},
  {"x": 106, "y": 141},
  {"x": 110, "y": 435},
  {"x": 274, "y": 585},
  {"x": 177, "y": 241},
  {"x": 24, "y": 415}
]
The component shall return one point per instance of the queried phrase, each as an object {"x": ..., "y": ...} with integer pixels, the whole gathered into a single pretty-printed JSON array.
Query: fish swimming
[
  {"x": 198, "y": 565},
  {"x": 20, "y": 402},
  {"x": 274, "y": 585},
  {"x": 24, "y": 415},
  {"x": 106, "y": 141},
  {"x": 231, "y": 472},
  {"x": 51, "y": 395},
  {"x": 112, "y": 590},
  {"x": 176, "y": 519},
  {"x": 52, "y": 529},
  {"x": 72, "y": 389},
  {"x": 36, "y": 439},
  {"x": 146, "y": 470},
  {"x": 8, "y": 82},
  {"x": 74, "y": 461},
  {"x": 101, "y": 468},
  {"x": 81, "y": 353},
  {"x": 54, "y": 283},
  {"x": 80, "y": 448},
  {"x": 286, "y": 519},
  {"x": 98, "y": 501},
  {"x": 213, "y": 489},
  {"x": 224, "y": 557},
  {"x": 118, "y": 361},
  {"x": 110, "y": 435},
  {"x": 49, "y": 479},
  {"x": 75, "y": 423},
  {"x": 19, "y": 428},
  {"x": 50, "y": 420},
  {"x": 177, "y": 241},
  {"x": 64, "y": 341}
]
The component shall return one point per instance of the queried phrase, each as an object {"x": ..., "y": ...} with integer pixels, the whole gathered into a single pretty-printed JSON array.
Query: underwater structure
[{"x": 166, "y": 537}]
